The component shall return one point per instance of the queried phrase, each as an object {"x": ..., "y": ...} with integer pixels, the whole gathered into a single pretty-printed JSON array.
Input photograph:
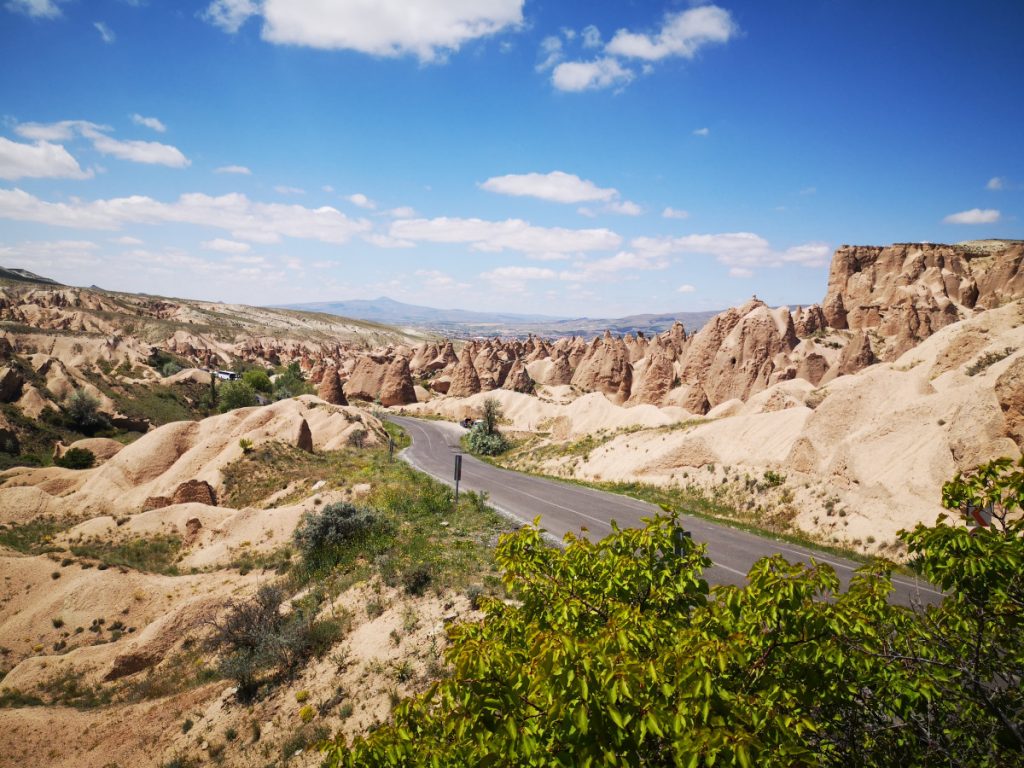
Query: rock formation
[
  {"x": 331, "y": 389},
  {"x": 195, "y": 491},
  {"x": 518, "y": 379},
  {"x": 397, "y": 388},
  {"x": 464, "y": 380},
  {"x": 605, "y": 368}
]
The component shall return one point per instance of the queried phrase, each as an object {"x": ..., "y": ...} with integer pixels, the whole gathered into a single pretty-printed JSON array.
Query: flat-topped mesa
[{"x": 907, "y": 291}]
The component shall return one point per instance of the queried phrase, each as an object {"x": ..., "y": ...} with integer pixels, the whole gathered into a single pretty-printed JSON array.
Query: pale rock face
[
  {"x": 398, "y": 388},
  {"x": 464, "y": 378},
  {"x": 330, "y": 389},
  {"x": 908, "y": 291},
  {"x": 655, "y": 382},
  {"x": 1010, "y": 394},
  {"x": 518, "y": 379},
  {"x": 367, "y": 378},
  {"x": 856, "y": 356},
  {"x": 560, "y": 372},
  {"x": 605, "y": 368}
]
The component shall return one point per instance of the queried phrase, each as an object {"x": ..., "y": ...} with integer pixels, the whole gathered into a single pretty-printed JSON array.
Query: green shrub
[
  {"x": 76, "y": 458},
  {"x": 258, "y": 380},
  {"x": 170, "y": 368},
  {"x": 486, "y": 443},
  {"x": 323, "y": 536},
  {"x": 82, "y": 412},
  {"x": 235, "y": 394}
]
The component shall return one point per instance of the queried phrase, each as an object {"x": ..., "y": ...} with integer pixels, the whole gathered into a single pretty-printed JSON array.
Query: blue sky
[{"x": 572, "y": 158}]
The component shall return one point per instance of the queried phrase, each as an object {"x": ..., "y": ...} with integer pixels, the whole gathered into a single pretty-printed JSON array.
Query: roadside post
[
  {"x": 458, "y": 477},
  {"x": 391, "y": 448}
]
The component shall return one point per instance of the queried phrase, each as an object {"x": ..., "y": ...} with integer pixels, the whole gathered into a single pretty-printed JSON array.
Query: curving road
[{"x": 565, "y": 507}]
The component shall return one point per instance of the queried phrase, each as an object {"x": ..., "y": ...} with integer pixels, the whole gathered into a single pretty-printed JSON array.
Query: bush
[
  {"x": 258, "y": 379},
  {"x": 76, "y": 458},
  {"x": 323, "y": 536},
  {"x": 169, "y": 369},
  {"x": 486, "y": 443},
  {"x": 235, "y": 394},
  {"x": 82, "y": 412}
]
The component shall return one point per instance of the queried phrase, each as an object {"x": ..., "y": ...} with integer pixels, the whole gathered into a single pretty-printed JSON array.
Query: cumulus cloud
[
  {"x": 520, "y": 273},
  {"x": 222, "y": 245},
  {"x": 557, "y": 187},
  {"x": 741, "y": 251},
  {"x": 234, "y": 213},
  {"x": 149, "y": 122},
  {"x": 106, "y": 33},
  {"x": 575, "y": 76},
  {"x": 402, "y": 212},
  {"x": 682, "y": 34},
  {"x": 40, "y": 160},
  {"x": 511, "y": 234},
  {"x": 996, "y": 183},
  {"x": 238, "y": 169},
  {"x": 362, "y": 201},
  {"x": 624, "y": 207},
  {"x": 674, "y": 213},
  {"x": 148, "y": 152},
  {"x": 37, "y": 9},
  {"x": 126, "y": 240},
  {"x": 551, "y": 50},
  {"x": 436, "y": 280},
  {"x": 427, "y": 29},
  {"x": 702, "y": 132},
  {"x": 283, "y": 189},
  {"x": 591, "y": 37},
  {"x": 686, "y": 288},
  {"x": 973, "y": 216},
  {"x": 43, "y": 255},
  {"x": 230, "y": 15}
]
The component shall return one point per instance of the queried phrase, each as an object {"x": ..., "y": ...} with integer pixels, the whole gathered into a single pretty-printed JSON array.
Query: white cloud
[
  {"x": 283, "y": 189},
  {"x": 41, "y": 160},
  {"x": 511, "y": 234},
  {"x": 60, "y": 131},
  {"x": 742, "y": 251},
  {"x": 436, "y": 280},
  {"x": 996, "y": 183},
  {"x": 126, "y": 240},
  {"x": 674, "y": 213},
  {"x": 327, "y": 188},
  {"x": 402, "y": 212},
  {"x": 387, "y": 241},
  {"x": 149, "y": 122},
  {"x": 702, "y": 132},
  {"x": 428, "y": 29},
  {"x": 575, "y": 76},
  {"x": 230, "y": 15},
  {"x": 238, "y": 169},
  {"x": 519, "y": 273},
  {"x": 973, "y": 216},
  {"x": 585, "y": 211},
  {"x": 41, "y": 256},
  {"x": 235, "y": 213},
  {"x": 148, "y": 152},
  {"x": 221, "y": 245},
  {"x": 37, "y": 9},
  {"x": 557, "y": 187},
  {"x": 625, "y": 207},
  {"x": 105, "y": 32},
  {"x": 607, "y": 269},
  {"x": 682, "y": 34},
  {"x": 551, "y": 48},
  {"x": 591, "y": 37},
  {"x": 686, "y": 288},
  {"x": 362, "y": 201}
]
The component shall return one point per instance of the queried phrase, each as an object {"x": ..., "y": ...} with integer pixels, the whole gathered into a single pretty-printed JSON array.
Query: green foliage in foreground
[
  {"x": 235, "y": 394},
  {"x": 76, "y": 458},
  {"x": 615, "y": 653}
]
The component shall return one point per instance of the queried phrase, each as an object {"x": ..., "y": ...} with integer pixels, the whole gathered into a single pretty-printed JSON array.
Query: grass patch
[
  {"x": 154, "y": 554},
  {"x": 988, "y": 359},
  {"x": 33, "y": 538}
]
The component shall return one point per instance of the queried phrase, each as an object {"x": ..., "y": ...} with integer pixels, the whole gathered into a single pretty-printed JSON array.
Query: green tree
[
  {"x": 617, "y": 653},
  {"x": 82, "y": 411},
  {"x": 492, "y": 415},
  {"x": 235, "y": 394},
  {"x": 258, "y": 379}
]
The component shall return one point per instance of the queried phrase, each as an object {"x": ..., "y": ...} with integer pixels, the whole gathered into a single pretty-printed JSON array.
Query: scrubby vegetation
[
  {"x": 76, "y": 458},
  {"x": 155, "y": 554},
  {"x": 484, "y": 437},
  {"x": 618, "y": 653}
]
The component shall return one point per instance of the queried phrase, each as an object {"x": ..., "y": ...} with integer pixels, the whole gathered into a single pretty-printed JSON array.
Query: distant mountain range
[{"x": 463, "y": 323}]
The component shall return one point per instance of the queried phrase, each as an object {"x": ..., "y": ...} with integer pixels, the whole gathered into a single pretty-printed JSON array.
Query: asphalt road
[{"x": 565, "y": 507}]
